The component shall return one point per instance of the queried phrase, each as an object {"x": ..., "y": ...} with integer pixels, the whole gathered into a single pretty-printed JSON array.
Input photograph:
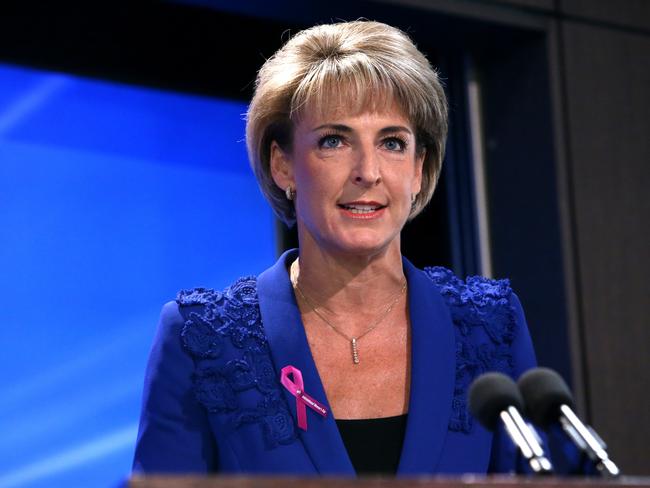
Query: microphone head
[
  {"x": 544, "y": 392},
  {"x": 489, "y": 395}
]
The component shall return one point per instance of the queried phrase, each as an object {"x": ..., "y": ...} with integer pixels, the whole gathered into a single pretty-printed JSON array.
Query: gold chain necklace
[{"x": 295, "y": 271}]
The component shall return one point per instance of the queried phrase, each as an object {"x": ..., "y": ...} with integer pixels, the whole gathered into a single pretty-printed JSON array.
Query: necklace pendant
[{"x": 355, "y": 351}]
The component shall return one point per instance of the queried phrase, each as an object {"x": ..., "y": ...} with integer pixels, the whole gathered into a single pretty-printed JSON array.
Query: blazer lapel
[
  {"x": 433, "y": 370},
  {"x": 288, "y": 345}
]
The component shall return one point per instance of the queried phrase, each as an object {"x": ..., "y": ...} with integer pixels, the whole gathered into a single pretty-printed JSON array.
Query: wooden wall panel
[
  {"x": 627, "y": 13},
  {"x": 608, "y": 105},
  {"x": 533, "y": 4}
]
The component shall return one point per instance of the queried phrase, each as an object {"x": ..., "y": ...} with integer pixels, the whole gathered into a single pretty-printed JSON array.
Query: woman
[{"x": 342, "y": 357}]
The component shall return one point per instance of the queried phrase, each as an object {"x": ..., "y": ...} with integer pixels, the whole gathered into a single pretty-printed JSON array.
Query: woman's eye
[
  {"x": 394, "y": 144},
  {"x": 330, "y": 142}
]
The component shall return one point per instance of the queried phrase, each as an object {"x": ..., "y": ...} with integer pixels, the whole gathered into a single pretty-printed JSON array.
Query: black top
[{"x": 374, "y": 445}]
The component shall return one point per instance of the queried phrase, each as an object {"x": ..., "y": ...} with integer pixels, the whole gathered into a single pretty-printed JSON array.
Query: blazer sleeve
[
  {"x": 504, "y": 456},
  {"x": 174, "y": 434},
  {"x": 523, "y": 353}
]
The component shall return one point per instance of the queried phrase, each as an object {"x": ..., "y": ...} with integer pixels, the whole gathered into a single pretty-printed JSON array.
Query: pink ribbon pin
[{"x": 296, "y": 388}]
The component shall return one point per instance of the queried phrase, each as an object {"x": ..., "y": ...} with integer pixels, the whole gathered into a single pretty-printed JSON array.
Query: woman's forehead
[{"x": 338, "y": 107}]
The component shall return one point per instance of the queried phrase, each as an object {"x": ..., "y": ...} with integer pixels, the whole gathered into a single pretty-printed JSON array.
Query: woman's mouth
[{"x": 364, "y": 210}]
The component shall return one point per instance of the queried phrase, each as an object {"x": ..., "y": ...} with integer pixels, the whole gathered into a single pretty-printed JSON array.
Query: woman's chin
[
  {"x": 364, "y": 245},
  {"x": 338, "y": 240}
]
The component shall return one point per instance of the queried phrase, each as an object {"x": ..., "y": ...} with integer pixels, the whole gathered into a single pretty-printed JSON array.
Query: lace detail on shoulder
[
  {"x": 476, "y": 303},
  {"x": 233, "y": 315}
]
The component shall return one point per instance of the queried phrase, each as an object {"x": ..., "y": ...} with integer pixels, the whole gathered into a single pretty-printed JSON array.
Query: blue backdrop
[{"x": 112, "y": 198}]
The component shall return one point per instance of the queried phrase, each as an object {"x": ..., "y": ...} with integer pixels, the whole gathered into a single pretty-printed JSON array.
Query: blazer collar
[
  {"x": 432, "y": 371},
  {"x": 288, "y": 344}
]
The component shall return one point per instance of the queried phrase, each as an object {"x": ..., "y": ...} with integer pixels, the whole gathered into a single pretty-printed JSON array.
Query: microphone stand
[
  {"x": 522, "y": 435},
  {"x": 587, "y": 440}
]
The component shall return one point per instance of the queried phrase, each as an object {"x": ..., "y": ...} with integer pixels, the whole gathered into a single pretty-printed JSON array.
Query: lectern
[{"x": 379, "y": 482}]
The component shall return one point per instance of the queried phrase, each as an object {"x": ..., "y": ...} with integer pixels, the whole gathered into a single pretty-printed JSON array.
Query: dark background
[{"x": 565, "y": 115}]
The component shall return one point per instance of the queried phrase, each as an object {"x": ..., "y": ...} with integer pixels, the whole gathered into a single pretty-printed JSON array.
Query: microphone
[
  {"x": 549, "y": 400},
  {"x": 494, "y": 397}
]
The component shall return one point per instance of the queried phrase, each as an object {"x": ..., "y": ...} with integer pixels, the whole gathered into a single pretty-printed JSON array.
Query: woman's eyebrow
[
  {"x": 346, "y": 129},
  {"x": 336, "y": 127},
  {"x": 395, "y": 128}
]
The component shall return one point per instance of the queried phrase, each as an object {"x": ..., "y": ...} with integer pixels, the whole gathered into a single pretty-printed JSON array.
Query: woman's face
[{"x": 354, "y": 177}]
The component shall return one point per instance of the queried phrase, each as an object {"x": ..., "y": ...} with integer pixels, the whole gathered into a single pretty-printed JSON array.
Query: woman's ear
[
  {"x": 281, "y": 167},
  {"x": 417, "y": 178}
]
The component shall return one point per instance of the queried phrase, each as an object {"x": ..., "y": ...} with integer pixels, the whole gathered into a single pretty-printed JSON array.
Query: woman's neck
[{"x": 343, "y": 283}]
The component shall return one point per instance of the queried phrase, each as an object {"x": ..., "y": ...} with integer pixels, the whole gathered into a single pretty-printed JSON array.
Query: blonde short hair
[{"x": 362, "y": 64}]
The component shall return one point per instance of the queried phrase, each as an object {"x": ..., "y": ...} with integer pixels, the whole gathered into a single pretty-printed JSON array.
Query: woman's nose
[{"x": 366, "y": 171}]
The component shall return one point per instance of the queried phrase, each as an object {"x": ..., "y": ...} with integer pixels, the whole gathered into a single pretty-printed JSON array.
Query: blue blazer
[{"x": 213, "y": 401}]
